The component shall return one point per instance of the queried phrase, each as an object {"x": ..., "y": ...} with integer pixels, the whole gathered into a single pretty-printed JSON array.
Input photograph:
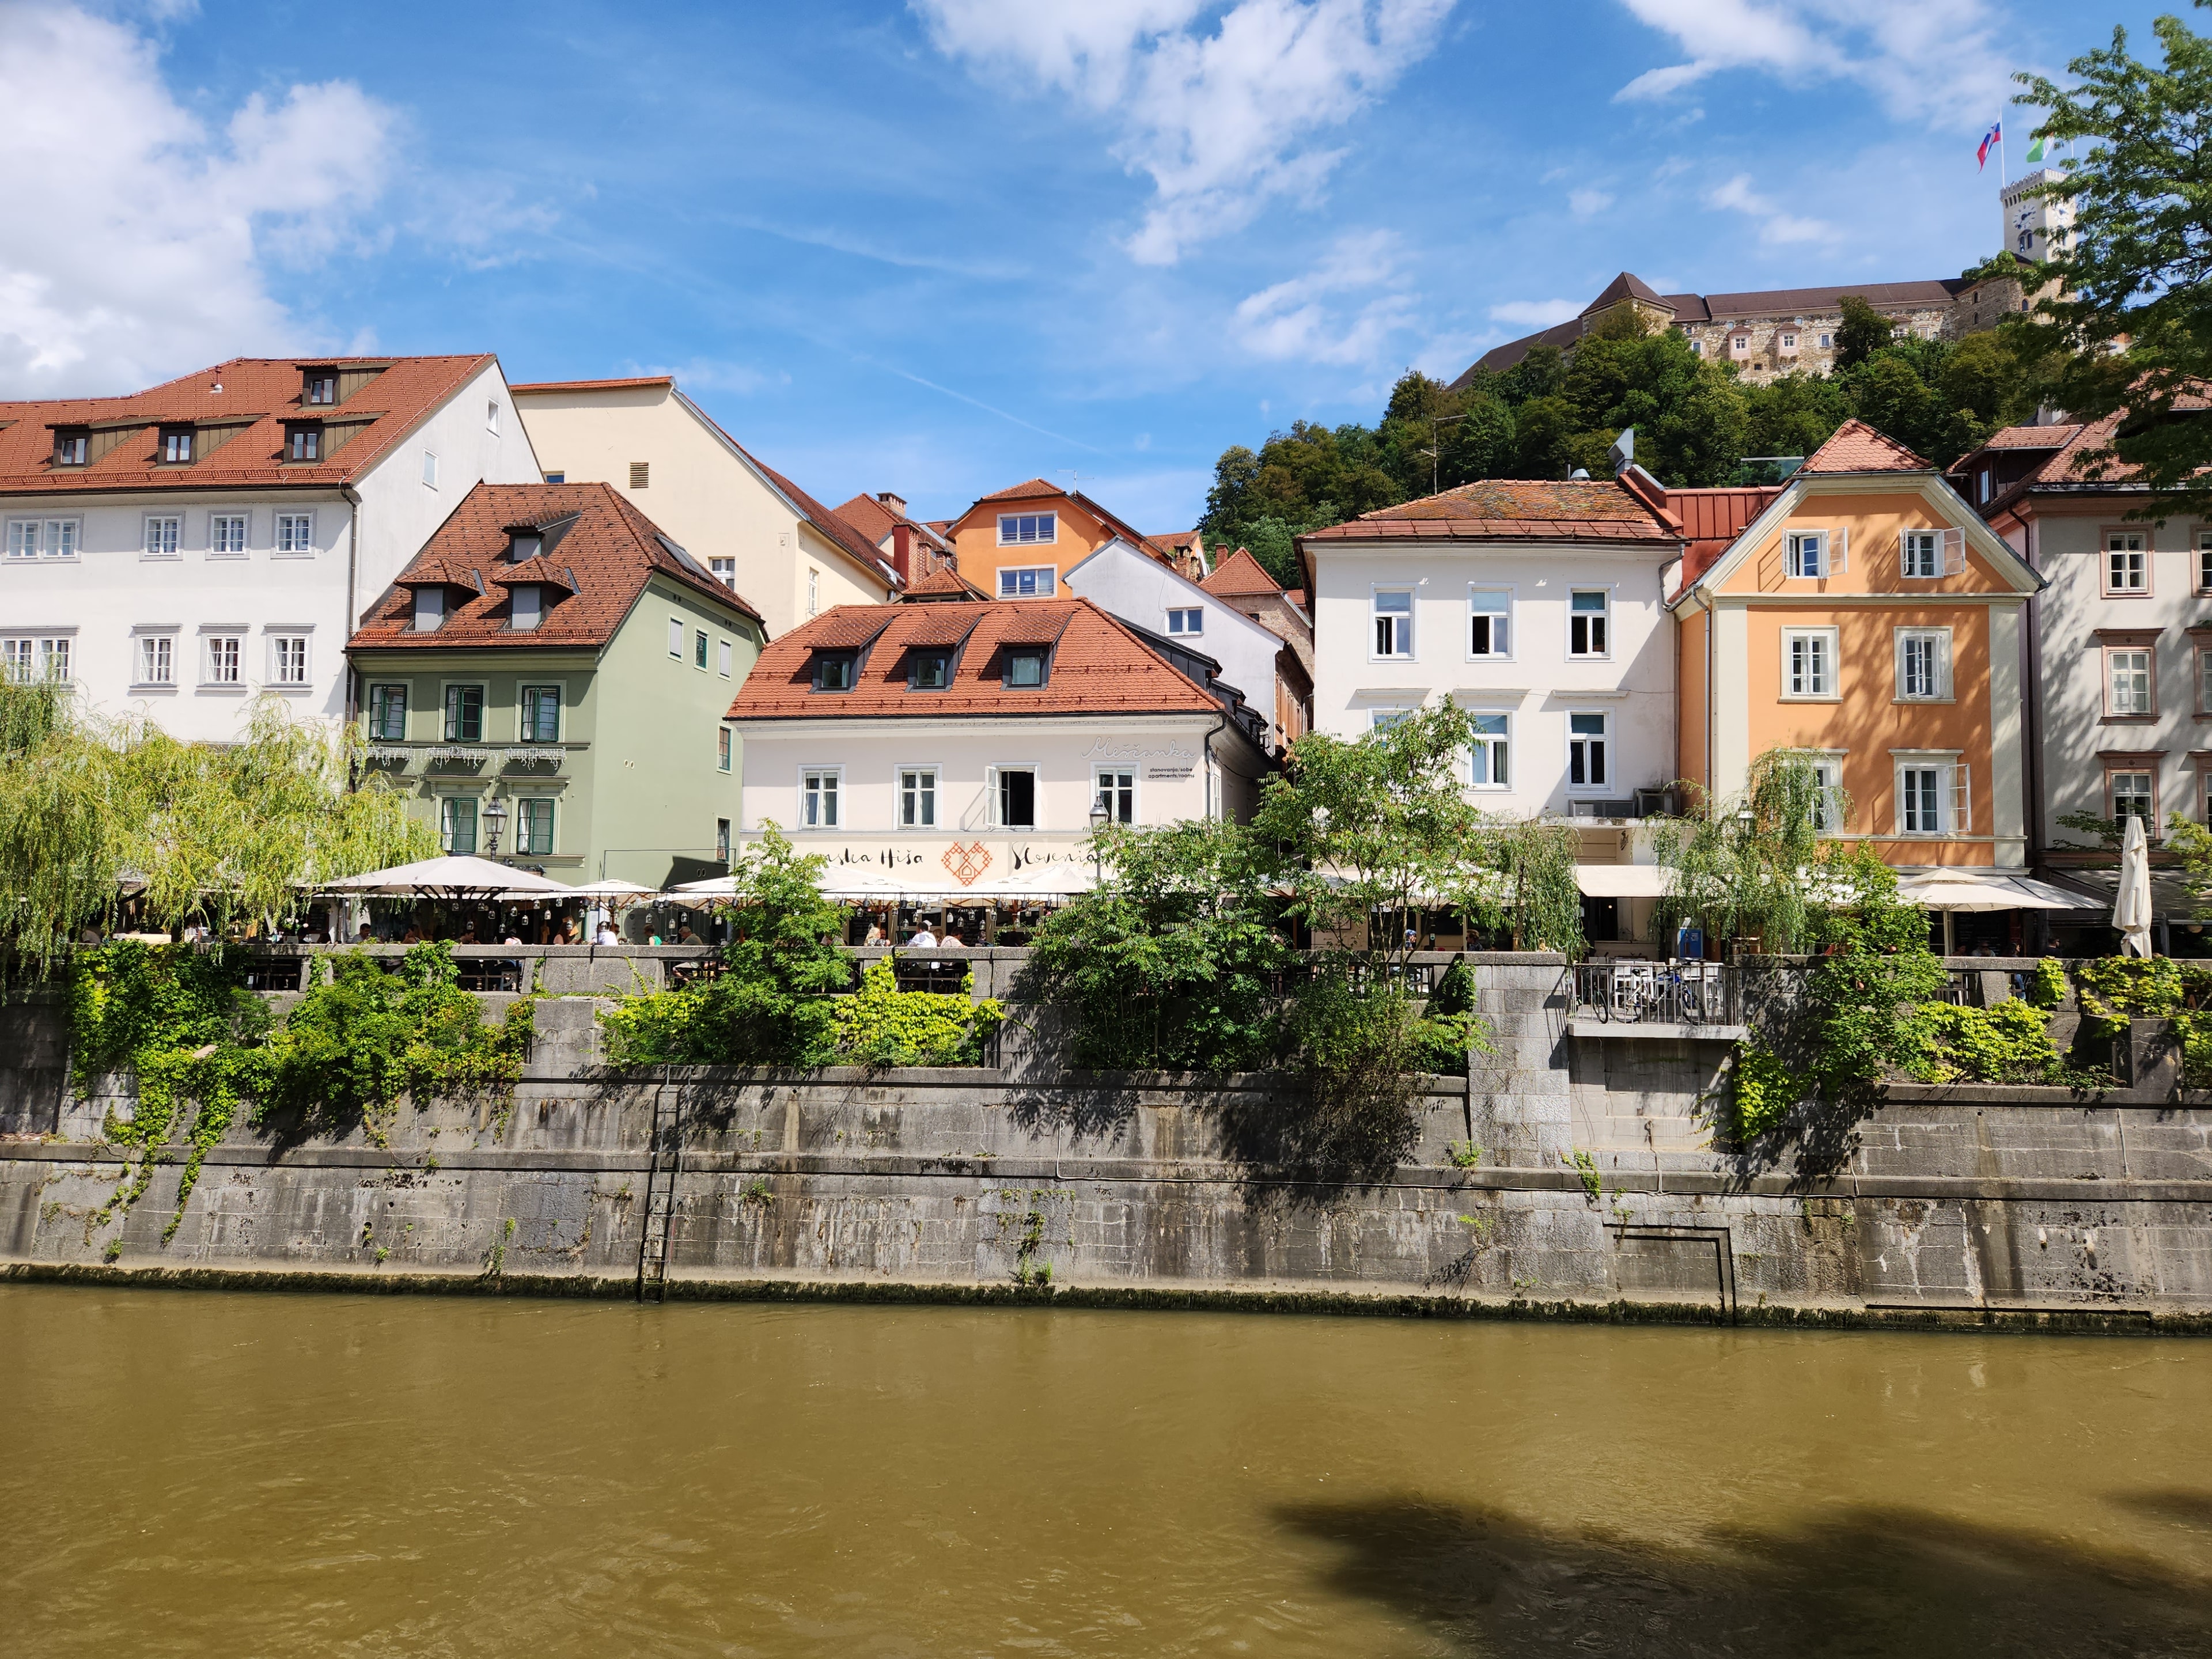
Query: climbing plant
[{"x": 880, "y": 1025}]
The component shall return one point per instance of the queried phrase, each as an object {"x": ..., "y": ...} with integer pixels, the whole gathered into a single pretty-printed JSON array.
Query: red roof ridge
[
  {"x": 1239, "y": 573},
  {"x": 591, "y": 385},
  {"x": 1854, "y": 446}
]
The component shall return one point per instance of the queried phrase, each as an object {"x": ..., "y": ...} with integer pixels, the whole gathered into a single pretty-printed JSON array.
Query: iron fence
[{"x": 1655, "y": 993}]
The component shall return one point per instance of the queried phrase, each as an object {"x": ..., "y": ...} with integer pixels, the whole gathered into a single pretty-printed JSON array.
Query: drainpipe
[
  {"x": 1217, "y": 806},
  {"x": 352, "y": 612},
  {"x": 1711, "y": 620}
]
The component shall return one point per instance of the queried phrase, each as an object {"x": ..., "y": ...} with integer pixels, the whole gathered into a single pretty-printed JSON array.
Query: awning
[
  {"x": 1969, "y": 890},
  {"x": 1621, "y": 880}
]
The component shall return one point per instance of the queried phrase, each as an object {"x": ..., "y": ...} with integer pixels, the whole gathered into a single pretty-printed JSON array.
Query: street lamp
[{"x": 495, "y": 821}]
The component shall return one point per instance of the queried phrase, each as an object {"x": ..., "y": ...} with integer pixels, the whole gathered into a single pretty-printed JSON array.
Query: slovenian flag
[{"x": 1993, "y": 135}]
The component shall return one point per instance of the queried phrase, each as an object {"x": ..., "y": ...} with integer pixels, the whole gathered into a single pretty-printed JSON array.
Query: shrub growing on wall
[{"x": 880, "y": 1025}]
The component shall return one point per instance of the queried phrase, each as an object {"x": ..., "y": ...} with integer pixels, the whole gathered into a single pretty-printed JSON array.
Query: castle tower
[{"x": 2037, "y": 227}]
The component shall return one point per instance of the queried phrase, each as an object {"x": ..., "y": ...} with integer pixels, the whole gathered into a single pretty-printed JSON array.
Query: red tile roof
[
  {"x": 1039, "y": 489},
  {"x": 943, "y": 583},
  {"x": 591, "y": 386},
  {"x": 1713, "y": 518},
  {"x": 2030, "y": 437},
  {"x": 1098, "y": 667},
  {"x": 1239, "y": 573},
  {"x": 1512, "y": 509},
  {"x": 875, "y": 519},
  {"x": 258, "y": 396},
  {"x": 1857, "y": 448},
  {"x": 822, "y": 519},
  {"x": 603, "y": 558}
]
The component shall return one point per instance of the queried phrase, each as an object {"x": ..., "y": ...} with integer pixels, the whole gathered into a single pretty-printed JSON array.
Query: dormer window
[
  {"x": 930, "y": 671},
  {"x": 72, "y": 448},
  {"x": 429, "y": 609},
  {"x": 319, "y": 385},
  {"x": 303, "y": 443},
  {"x": 835, "y": 670},
  {"x": 176, "y": 445},
  {"x": 526, "y": 547},
  {"x": 527, "y": 608},
  {"x": 1025, "y": 666}
]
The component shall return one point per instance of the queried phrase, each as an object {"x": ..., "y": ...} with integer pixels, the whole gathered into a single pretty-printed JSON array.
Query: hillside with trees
[{"x": 1695, "y": 422}]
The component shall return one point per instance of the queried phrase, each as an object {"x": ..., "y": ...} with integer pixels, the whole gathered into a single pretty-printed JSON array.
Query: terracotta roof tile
[
  {"x": 1239, "y": 573},
  {"x": 945, "y": 625},
  {"x": 1713, "y": 518},
  {"x": 1854, "y": 446},
  {"x": 1098, "y": 667},
  {"x": 1624, "y": 287},
  {"x": 604, "y": 557},
  {"x": 1040, "y": 488},
  {"x": 258, "y": 395},
  {"x": 1512, "y": 509},
  {"x": 848, "y": 626},
  {"x": 2032, "y": 437},
  {"x": 876, "y": 519},
  {"x": 943, "y": 583},
  {"x": 1023, "y": 491}
]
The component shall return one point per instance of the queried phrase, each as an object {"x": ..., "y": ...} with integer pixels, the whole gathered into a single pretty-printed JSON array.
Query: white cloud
[
  {"x": 133, "y": 241},
  {"x": 1537, "y": 314},
  {"x": 1939, "y": 62},
  {"x": 1304, "y": 319},
  {"x": 1774, "y": 225},
  {"x": 1587, "y": 203},
  {"x": 1222, "y": 121}
]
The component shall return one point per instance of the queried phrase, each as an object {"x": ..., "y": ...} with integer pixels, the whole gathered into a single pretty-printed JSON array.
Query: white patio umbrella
[
  {"x": 450, "y": 877},
  {"x": 2131, "y": 903},
  {"x": 613, "y": 887},
  {"x": 1947, "y": 891}
]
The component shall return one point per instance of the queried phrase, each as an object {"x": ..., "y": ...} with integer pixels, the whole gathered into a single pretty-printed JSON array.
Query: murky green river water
[{"x": 287, "y": 1474}]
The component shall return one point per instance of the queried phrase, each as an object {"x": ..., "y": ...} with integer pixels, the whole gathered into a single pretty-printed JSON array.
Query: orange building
[
  {"x": 1019, "y": 543},
  {"x": 1865, "y": 614}
]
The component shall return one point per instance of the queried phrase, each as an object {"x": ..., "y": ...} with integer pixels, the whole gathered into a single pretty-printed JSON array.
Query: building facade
[
  {"x": 1534, "y": 606},
  {"x": 1867, "y": 615},
  {"x": 551, "y": 673},
  {"x": 1020, "y": 543},
  {"x": 176, "y": 551},
  {"x": 961, "y": 747},
  {"x": 759, "y": 532}
]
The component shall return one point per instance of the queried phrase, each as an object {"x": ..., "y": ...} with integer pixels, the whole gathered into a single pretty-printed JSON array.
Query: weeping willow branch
[
  {"x": 1742, "y": 866},
  {"x": 211, "y": 833}
]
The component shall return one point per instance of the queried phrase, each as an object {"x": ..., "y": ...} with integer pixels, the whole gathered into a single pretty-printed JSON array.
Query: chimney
[
  {"x": 903, "y": 548},
  {"x": 897, "y": 503}
]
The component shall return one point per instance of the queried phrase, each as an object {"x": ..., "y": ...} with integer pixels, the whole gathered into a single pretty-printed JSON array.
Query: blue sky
[{"x": 939, "y": 248}]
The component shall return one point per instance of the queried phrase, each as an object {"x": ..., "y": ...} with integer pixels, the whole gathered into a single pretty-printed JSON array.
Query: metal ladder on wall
[{"x": 666, "y": 1151}]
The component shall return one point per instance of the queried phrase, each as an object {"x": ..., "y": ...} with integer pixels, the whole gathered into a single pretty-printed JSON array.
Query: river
[{"x": 243, "y": 1474}]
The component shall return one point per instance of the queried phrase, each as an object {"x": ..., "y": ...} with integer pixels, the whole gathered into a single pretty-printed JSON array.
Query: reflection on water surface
[{"x": 243, "y": 1474}]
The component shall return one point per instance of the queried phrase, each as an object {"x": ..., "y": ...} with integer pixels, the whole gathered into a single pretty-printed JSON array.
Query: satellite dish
[{"x": 1624, "y": 448}]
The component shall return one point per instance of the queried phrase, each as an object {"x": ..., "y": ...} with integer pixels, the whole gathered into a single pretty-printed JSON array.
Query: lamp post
[
  {"x": 494, "y": 816},
  {"x": 1098, "y": 816}
]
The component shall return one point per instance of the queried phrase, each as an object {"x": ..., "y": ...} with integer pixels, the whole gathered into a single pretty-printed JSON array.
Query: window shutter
[
  {"x": 1839, "y": 552},
  {"x": 991, "y": 796},
  {"x": 1962, "y": 801},
  {"x": 1954, "y": 552},
  {"x": 1943, "y": 665}
]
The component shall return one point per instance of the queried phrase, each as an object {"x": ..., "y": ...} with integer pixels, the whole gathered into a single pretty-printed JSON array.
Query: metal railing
[{"x": 1655, "y": 993}]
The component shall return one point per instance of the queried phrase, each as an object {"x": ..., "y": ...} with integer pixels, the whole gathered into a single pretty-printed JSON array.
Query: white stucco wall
[
  {"x": 1120, "y": 579},
  {"x": 1537, "y": 688},
  {"x": 701, "y": 492}
]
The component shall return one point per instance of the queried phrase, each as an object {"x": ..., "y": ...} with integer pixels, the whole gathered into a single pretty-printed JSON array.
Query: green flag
[{"x": 2035, "y": 151}]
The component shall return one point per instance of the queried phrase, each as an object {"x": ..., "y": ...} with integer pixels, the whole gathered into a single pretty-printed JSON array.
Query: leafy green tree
[
  {"x": 1743, "y": 867},
  {"x": 2128, "y": 328},
  {"x": 1794, "y": 414},
  {"x": 1863, "y": 332}
]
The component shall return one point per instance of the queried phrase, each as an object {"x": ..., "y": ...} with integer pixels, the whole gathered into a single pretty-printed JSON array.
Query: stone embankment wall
[{"x": 1594, "y": 1190}]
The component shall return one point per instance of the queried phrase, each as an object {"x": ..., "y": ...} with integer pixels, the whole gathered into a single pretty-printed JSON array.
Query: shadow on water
[{"x": 1857, "y": 1580}]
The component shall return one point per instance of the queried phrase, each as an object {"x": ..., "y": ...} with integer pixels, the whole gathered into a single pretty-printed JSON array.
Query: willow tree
[
  {"x": 213, "y": 833},
  {"x": 1748, "y": 864}
]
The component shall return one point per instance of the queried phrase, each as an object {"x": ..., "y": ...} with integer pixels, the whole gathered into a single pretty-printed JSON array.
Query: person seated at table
[
  {"x": 923, "y": 939},
  {"x": 875, "y": 933},
  {"x": 412, "y": 936},
  {"x": 567, "y": 935},
  {"x": 366, "y": 936},
  {"x": 607, "y": 934},
  {"x": 685, "y": 936},
  {"x": 468, "y": 935},
  {"x": 951, "y": 941}
]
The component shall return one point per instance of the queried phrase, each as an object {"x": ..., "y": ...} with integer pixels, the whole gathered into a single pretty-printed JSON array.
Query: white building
[
  {"x": 783, "y": 551},
  {"x": 960, "y": 747},
  {"x": 175, "y": 550},
  {"x": 1534, "y": 606},
  {"x": 1140, "y": 588}
]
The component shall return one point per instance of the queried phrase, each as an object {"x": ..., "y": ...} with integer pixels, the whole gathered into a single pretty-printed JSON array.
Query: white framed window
[
  {"x": 43, "y": 538},
  {"x": 2204, "y": 560},
  {"x": 1492, "y": 751},
  {"x": 1808, "y": 663},
  {"x": 1828, "y": 805},
  {"x": 1490, "y": 624},
  {"x": 295, "y": 533},
  {"x": 1923, "y": 665},
  {"x": 917, "y": 806},
  {"x": 287, "y": 660},
  {"x": 226, "y": 535},
  {"x": 464, "y": 706},
  {"x": 2132, "y": 792},
  {"x": 220, "y": 655},
  {"x": 2127, "y": 562},
  {"x": 456, "y": 824},
  {"x": 2130, "y": 684},
  {"x": 1790, "y": 343},
  {"x": 1926, "y": 554},
  {"x": 1028, "y": 529},
  {"x": 35, "y": 657},
  {"x": 1934, "y": 796},
  {"x": 177, "y": 447},
  {"x": 818, "y": 789},
  {"x": 491, "y": 416},
  {"x": 724, "y": 749},
  {"x": 387, "y": 714},
  {"x": 162, "y": 533},
  {"x": 533, "y": 826},
  {"x": 1817, "y": 553},
  {"x": 430, "y": 469},
  {"x": 1587, "y": 736},
  {"x": 1015, "y": 797},
  {"x": 72, "y": 449},
  {"x": 675, "y": 638},
  {"x": 1825, "y": 341},
  {"x": 1589, "y": 617},
  {"x": 1392, "y": 616},
  {"x": 1191, "y": 620},
  {"x": 17, "y": 658},
  {"x": 724, "y": 571},
  {"x": 1028, "y": 582},
  {"x": 699, "y": 643},
  {"x": 305, "y": 443},
  {"x": 813, "y": 592},
  {"x": 157, "y": 660},
  {"x": 723, "y": 660},
  {"x": 540, "y": 714},
  {"x": 1115, "y": 788}
]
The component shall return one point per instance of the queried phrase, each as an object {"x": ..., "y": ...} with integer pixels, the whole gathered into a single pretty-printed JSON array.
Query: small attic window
[
  {"x": 318, "y": 386},
  {"x": 1025, "y": 666},
  {"x": 303, "y": 442},
  {"x": 524, "y": 547},
  {"x": 528, "y": 607},
  {"x": 834, "y": 671},
  {"x": 176, "y": 445},
  {"x": 72, "y": 448},
  {"x": 429, "y": 609}
]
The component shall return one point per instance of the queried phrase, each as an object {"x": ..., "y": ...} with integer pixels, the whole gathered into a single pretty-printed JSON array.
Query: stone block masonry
[{"x": 1596, "y": 1192}]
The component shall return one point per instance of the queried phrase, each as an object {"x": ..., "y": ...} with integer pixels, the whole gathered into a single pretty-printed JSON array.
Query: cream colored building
[{"x": 766, "y": 538}]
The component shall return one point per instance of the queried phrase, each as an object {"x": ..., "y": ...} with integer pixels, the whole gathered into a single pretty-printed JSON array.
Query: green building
[{"x": 554, "y": 670}]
